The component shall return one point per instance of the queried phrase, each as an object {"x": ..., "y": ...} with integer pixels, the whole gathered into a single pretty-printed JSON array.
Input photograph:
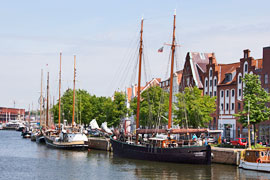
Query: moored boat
[
  {"x": 66, "y": 140},
  {"x": 164, "y": 149},
  {"x": 255, "y": 159}
]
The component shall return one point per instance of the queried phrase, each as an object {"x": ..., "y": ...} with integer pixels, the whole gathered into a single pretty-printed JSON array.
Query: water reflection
[{"x": 23, "y": 159}]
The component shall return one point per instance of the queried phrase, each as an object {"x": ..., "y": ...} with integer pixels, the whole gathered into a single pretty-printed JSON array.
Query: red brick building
[
  {"x": 7, "y": 114},
  {"x": 225, "y": 82}
]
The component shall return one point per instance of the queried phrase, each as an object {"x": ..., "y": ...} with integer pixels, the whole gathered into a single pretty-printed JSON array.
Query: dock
[
  {"x": 99, "y": 143},
  {"x": 226, "y": 155}
]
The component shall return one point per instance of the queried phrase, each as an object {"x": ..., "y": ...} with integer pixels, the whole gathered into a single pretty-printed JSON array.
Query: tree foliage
[
  {"x": 88, "y": 107},
  {"x": 193, "y": 109},
  {"x": 153, "y": 107},
  {"x": 256, "y": 98}
]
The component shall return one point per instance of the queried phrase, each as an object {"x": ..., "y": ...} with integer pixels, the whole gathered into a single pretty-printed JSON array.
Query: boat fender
[{"x": 258, "y": 160}]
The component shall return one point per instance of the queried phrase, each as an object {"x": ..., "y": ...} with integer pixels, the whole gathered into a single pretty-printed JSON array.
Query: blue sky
[{"x": 103, "y": 35}]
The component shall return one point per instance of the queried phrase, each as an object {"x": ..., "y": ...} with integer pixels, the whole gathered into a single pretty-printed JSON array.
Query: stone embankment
[
  {"x": 226, "y": 155},
  {"x": 99, "y": 143}
]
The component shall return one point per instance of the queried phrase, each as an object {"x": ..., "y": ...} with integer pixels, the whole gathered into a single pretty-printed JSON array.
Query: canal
[{"x": 22, "y": 159}]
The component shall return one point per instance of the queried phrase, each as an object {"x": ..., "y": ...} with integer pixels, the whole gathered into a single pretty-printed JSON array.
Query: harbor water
[{"x": 22, "y": 159}]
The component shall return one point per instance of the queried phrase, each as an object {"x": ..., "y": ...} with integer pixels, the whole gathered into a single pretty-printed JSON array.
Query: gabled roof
[
  {"x": 198, "y": 62},
  {"x": 258, "y": 63},
  {"x": 224, "y": 69}
]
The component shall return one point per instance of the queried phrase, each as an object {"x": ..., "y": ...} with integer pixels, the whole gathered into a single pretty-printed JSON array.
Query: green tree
[
  {"x": 118, "y": 109},
  {"x": 255, "y": 101},
  {"x": 193, "y": 109},
  {"x": 153, "y": 107},
  {"x": 82, "y": 107}
]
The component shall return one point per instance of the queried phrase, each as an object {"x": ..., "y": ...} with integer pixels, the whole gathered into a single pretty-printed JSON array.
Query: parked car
[
  {"x": 211, "y": 139},
  {"x": 95, "y": 133},
  {"x": 239, "y": 142}
]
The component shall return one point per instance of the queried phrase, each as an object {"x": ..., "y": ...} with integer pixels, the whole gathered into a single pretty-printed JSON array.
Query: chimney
[
  {"x": 246, "y": 53},
  {"x": 212, "y": 59}
]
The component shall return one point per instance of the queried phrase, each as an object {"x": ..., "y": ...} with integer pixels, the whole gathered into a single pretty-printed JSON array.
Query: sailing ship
[
  {"x": 158, "y": 148},
  {"x": 65, "y": 137}
]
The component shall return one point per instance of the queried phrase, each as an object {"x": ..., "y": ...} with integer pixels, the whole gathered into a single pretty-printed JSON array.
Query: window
[
  {"x": 240, "y": 79},
  {"x": 240, "y": 92},
  {"x": 232, "y": 106},
  {"x": 210, "y": 94},
  {"x": 222, "y": 106},
  {"x": 215, "y": 93},
  {"x": 246, "y": 67},
  {"x": 206, "y": 82},
  {"x": 215, "y": 81},
  {"x": 266, "y": 79},
  {"x": 211, "y": 72},
  {"x": 239, "y": 106},
  {"x": 227, "y": 93},
  {"x": 206, "y": 93},
  {"x": 233, "y": 93},
  {"x": 228, "y": 77},
  {"x": 227, "y": 106},
  {"x": 222, "y": 93},
  {"x": 211, "y": 82}
]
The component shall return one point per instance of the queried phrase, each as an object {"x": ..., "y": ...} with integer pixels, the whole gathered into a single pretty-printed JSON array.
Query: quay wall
[
  {"x": 99, "y": 143},
  {"x": 226, "y": 155}
]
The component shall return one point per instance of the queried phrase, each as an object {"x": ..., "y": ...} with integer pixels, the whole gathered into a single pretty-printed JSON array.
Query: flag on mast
[{"x": 160, "y": 50}]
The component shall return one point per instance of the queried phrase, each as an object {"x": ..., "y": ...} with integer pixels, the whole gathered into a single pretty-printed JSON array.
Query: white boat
[
  {"x": 256, "y": 159},
  {"x": 66, "y": 140}
]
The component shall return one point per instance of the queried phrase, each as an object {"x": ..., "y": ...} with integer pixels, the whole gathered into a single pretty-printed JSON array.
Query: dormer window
[{"x": 228, "y": 77}]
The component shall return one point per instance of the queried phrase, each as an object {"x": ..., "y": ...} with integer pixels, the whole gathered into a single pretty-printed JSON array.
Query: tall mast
[
  {"x": 59, "y": 112},
  {"x": 41, "y": 100},
  {"x": 139, "y": 81},
  {"x": 73, "y": 113},
  {"x": 29, "y": 113},
  {"x": 47, "y": 110},
  {"x": 171, "y": 77}
]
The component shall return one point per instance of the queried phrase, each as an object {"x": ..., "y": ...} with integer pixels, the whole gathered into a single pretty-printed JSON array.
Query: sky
[{"x": 104, "y": 36}]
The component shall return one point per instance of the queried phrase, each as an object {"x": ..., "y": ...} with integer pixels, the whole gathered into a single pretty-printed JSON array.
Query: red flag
[{"x": 160, "y": 50}]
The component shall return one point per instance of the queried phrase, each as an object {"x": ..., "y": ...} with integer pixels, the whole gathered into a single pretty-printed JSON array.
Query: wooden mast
[
  {"x": 47, "y": 110},
  {"x": 171, "y": 77},
  {"x": 139, "y": 81},
  {"x": 59, "y": 112},
  {"x": 41, "y": 101},
  {"x": 73, "y": 113}
]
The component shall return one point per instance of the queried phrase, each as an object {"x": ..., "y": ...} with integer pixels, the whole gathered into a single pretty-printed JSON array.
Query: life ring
[{"x": 258, "y": 160}]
